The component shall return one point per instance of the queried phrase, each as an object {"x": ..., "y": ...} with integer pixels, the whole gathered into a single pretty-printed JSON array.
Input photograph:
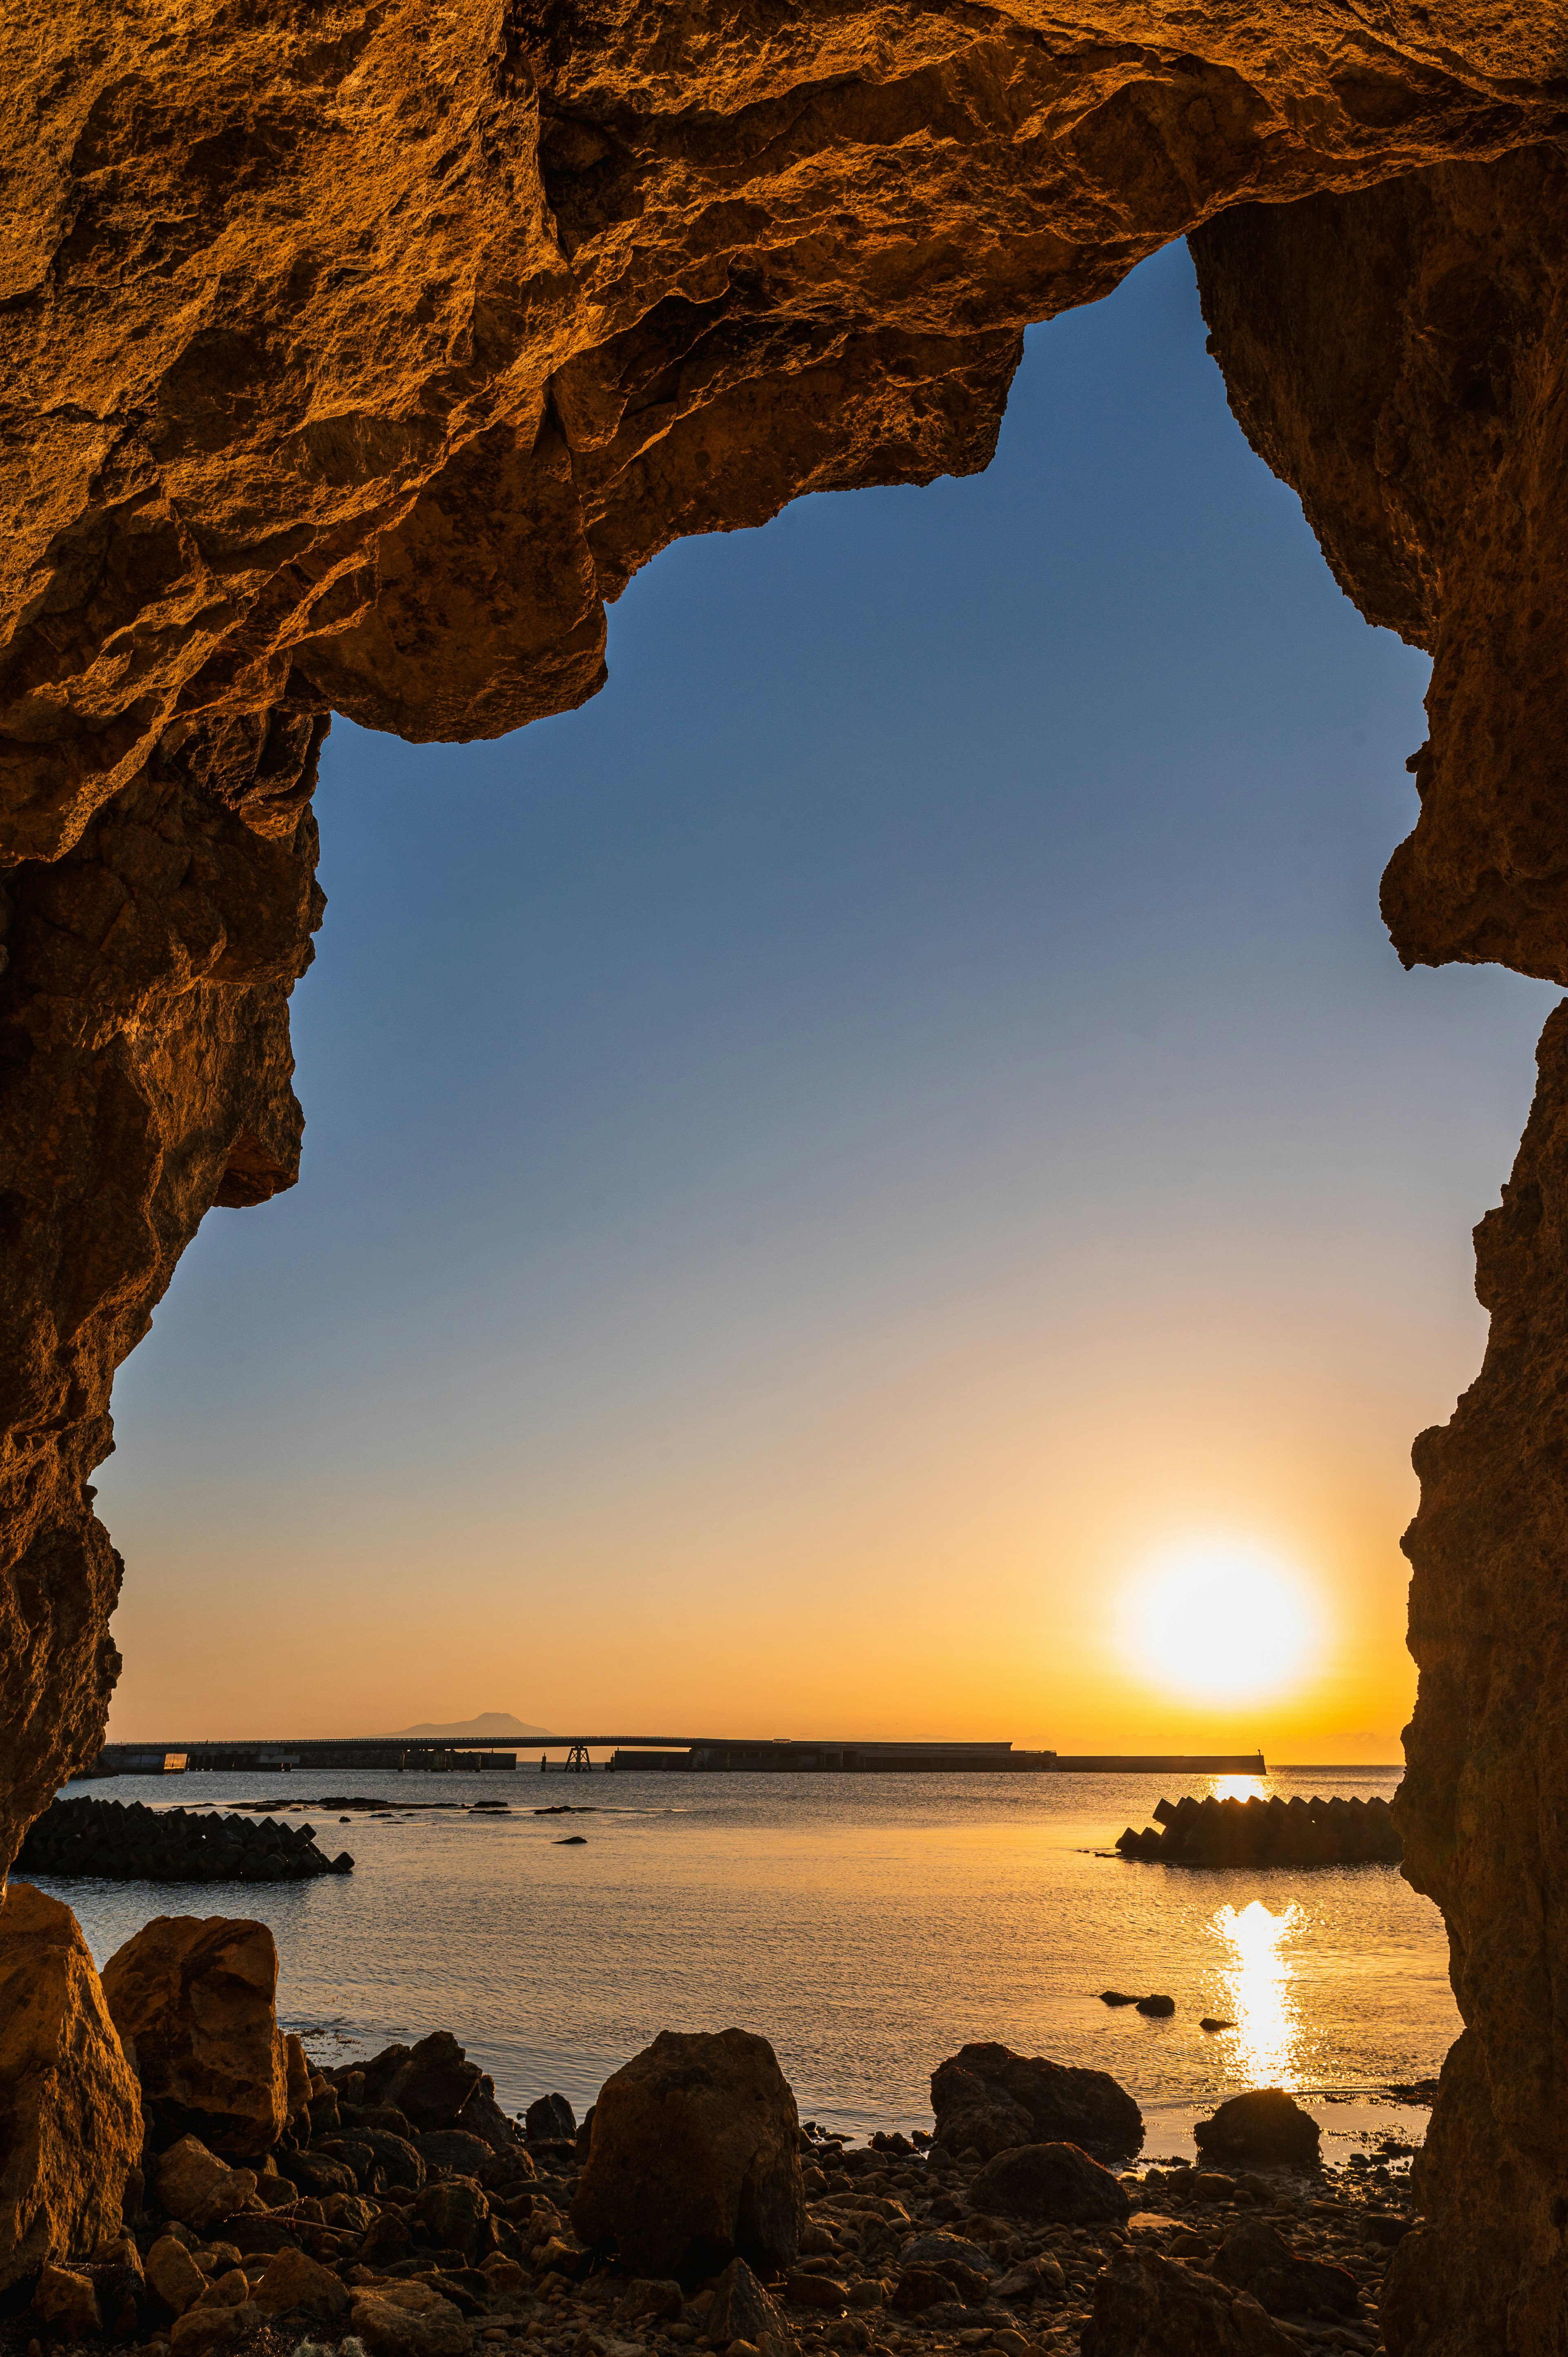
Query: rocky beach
[{"x": 183, "y": 2178}]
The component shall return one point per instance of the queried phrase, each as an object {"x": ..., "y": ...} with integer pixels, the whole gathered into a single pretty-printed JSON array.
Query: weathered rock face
[
  {"x": 695, "y": 2158},
  {"x": 70, "y": 2125},
  {"x": 145, "y": 1071},
  {"x": 356, "y": 357},
  {"x": 1487, "y": 1794},
  {"x": 194, "y": 2000},
  {"x": 1396, "y": 358}
]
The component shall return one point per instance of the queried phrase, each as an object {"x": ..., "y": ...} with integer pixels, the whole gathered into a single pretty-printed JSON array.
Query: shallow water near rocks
[{"x": 867, "y": 1925}]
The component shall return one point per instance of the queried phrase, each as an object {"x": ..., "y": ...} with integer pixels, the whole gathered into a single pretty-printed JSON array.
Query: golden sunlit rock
[
  {"x": 194, "y": 1999},
  {"x": 70, "y": 2123},
  {"x": 357, "y": 357}
]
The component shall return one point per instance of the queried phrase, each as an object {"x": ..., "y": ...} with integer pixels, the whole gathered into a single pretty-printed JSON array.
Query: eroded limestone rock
[
  {"x": 70, "y": 2123},
  {"x": 194, "y": 1999}
]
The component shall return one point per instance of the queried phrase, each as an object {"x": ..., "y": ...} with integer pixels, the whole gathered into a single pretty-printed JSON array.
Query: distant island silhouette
[{"x": 499, "y": 1726}]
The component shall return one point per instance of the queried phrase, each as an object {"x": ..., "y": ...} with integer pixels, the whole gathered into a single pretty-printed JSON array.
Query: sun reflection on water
[
  {"x": 1239, "y": 1788},
  {"x": 1258, "y": 1976}
]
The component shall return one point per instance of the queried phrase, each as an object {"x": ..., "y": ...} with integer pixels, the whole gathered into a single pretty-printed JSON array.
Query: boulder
[
  {"x": 550, "y": 2120},
  {"x": 657, "y": 2299},
  {"x": 409, "y": 2320},
  {"x": 292, "y": 2281},
  {"x": 400, "y": 2162},
  {"x": 1257, "y": 2259},
  {"x": 71, "y": 2119},
  {"x": 1145, "y": 2305},
  {"x": 67, "y": 2302},
  {"x": 1264, "y": 2126},
  {"x": 453, "y": 2216},
  {"x": 193, "y": 2000},
  {"x": 433, "y": 2083},
  {"x": 943, "y": 2250},
  {"x": 386, "y": 2241},
  {"x": 201, "y": 2330},
  {"x": 1051, "y": 2185},
  {"x": 988, "y": 2099},
  {"x": 228, "y": 2285},
  {"x": 297, "y": 2075},
  {"x": 741, "y": 2311},
  {"x": 174, "y": 2276},
  {"x": 823, "y": 2292},
  {"x": 454, "y": 2148},
  {"x": 918, "y": 2289},
  {"x": 695, "y": 2158},
  {"x": 199, "y": 2189},
  {"x": 482, "y": 2117}
]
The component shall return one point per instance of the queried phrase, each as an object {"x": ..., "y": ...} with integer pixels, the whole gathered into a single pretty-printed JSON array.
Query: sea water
[{"x": 868, "y": 1925}]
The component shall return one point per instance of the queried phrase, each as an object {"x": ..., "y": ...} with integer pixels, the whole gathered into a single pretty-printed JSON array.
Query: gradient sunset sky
[{"x": 826, "y": 1163}]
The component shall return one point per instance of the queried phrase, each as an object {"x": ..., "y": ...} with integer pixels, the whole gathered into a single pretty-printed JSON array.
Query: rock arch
[{"x": 358, "y": 351}]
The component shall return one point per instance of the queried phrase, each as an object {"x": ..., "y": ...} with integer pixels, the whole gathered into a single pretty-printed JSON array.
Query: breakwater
[
  {"x": 119, "y": 1841},
  {"x": 1297, "y": 1832}
]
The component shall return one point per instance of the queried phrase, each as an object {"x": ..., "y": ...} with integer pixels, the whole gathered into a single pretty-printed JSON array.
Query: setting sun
[{"x": 1221, "y": 1620}]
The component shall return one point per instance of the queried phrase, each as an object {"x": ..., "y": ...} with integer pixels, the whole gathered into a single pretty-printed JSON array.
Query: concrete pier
[{"x": 665, "y": 1754}]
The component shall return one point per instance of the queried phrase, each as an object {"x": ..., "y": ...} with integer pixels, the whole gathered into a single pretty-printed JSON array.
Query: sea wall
[{"x": 356, "y": 357}]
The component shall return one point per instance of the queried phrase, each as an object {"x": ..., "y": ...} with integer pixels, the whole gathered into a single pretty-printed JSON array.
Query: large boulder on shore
[
  {"x": 695, "y": 2158},
  {"x": 1148, "y": 2307},
  {"x": 988, "y": 2099},
  {"x": 194, "y": 2000},
  {"x": 1051, "y": 2185},
  {"x": 1264, "y": 2126},
  {"x": 71, "y": 2119}
]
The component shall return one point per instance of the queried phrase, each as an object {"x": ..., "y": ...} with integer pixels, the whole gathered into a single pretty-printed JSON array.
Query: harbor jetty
[
  {"x": 1276, "y": 1832},
  {"x": 660, "y": 1754}
]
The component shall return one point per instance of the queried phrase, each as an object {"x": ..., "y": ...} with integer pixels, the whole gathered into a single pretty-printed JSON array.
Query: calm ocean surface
[{"x": 867, "y": 1925}]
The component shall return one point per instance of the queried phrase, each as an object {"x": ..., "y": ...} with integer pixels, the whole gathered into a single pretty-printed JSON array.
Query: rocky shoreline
[{"x": 226, "y": 2193}]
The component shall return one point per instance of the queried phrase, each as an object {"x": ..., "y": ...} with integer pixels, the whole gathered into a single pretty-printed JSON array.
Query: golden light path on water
[
  {"x": 1258, "y": 1977},
  {"x": 1258, "y": 1973}
]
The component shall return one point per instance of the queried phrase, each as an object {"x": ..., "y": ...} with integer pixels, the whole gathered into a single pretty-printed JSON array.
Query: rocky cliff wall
[
  {"x": 355, "y": 355},
  {"x": 1398, "y": 358}
]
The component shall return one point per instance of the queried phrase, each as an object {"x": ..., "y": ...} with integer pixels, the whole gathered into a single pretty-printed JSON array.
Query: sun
[{"x": 1221, "y": 1620}]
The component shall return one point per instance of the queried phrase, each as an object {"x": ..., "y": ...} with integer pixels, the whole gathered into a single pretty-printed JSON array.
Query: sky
[{"x": 845, "y": 1176}]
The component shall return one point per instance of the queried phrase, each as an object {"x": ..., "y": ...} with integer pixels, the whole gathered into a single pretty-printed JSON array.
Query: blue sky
[{"x": 820, "y": 1161}]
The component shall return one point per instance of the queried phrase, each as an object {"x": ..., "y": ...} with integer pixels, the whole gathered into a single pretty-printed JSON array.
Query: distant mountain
[{"x": 490, "y": 1727}]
